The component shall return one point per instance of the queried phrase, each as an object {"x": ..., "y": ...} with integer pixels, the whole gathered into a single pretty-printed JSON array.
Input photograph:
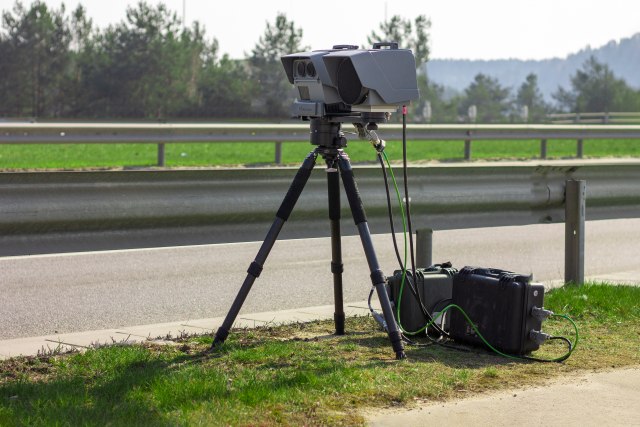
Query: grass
[
  {"x": 80, "y": 156},
  {"x": 299, "y": 374}
]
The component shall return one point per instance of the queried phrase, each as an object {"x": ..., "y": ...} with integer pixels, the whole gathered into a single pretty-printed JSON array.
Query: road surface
[{"x": 61, "y": 293}]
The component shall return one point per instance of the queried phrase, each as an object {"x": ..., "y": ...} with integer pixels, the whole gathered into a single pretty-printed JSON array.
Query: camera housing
[{"x": 352, "y": 82}]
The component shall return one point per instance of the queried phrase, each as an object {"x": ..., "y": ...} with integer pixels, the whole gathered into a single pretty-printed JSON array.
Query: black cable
[
  {"x": 408, "y": 213},
  {"x": 412, "y": 287},
  {"x": 561, "y": 359},
  {"x": 411, "y": 283},
  {"x": 443, "y": 300},
  {"x": 418, "y": 344},
  {"x": 393, "y": 230},
  {"x": 406, "y": 189}
]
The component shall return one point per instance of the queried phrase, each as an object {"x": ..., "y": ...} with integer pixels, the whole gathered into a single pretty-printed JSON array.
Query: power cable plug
[
  {"x": 378, "y": 317},
  {"x": 538, "y": 337},
  {"x": 541, "y": 313}
]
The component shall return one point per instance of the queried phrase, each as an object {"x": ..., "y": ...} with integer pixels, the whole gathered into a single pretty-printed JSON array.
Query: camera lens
[
  {"x": 311, "y": 69},
  {"x": 300, "y": 69},
  {"x": 350, "y": 88}
]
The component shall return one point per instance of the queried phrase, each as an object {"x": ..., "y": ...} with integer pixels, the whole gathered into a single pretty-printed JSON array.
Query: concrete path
[{"x": 593, "y": 399}]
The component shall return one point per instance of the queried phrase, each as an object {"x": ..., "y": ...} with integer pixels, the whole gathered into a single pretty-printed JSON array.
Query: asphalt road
[{"x": 47, "y": 294}]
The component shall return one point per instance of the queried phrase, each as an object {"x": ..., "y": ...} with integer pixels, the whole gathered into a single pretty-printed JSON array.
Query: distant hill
[{"x": 622, "y": 57}]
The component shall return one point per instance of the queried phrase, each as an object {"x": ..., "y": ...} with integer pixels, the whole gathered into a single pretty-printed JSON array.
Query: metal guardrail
[
  {"x": 163, "y": 133},
  {"x": 72, "y": 211},
  {"x": 605, "y": 117}
]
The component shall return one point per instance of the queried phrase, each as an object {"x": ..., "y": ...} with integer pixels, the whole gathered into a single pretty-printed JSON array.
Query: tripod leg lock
[
  {"x": 377, "y": 277},
  {"x": 221, "y": 336},
  {"x": 255, "y": 269},
  {"x": 337, "y": 268}
]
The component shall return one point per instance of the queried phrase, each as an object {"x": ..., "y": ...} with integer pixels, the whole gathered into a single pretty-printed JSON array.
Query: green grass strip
[
  {"x": 301, "y": 374},
  {"x": 81, "y": 156}
]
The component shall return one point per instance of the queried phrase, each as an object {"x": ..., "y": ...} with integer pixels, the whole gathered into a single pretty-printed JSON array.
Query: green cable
[
  {"x": 450, "y": 306},
  {"x": 575, "y": 328},
  {"x": 404, "y": 266},
  {"x": 510, "y": 356},
  {"x": 404, "y": 233}
]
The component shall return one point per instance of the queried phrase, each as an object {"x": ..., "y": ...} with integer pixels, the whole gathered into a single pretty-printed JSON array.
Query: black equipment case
[
  {"x": 499, "y": 303},
  {"x": 434, "y": 286}
]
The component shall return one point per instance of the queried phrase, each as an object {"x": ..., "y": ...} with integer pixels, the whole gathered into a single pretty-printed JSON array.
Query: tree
[
  {"x": 409, "y": 35},
  {"x": 224, "y": 89},
  {"x": 146, "y": 66},
  {"x": 5, "y": 72},
  {"x": 279, "y": 39},
  {"x": 76, "y": 94},
  {"x": 35, "y": 59},
  {"x": 444, "y": 109},
  {"x": 491, "y": 99},
  {"x": 594, "y": 88},
  {"x": 529, "y": 95}
]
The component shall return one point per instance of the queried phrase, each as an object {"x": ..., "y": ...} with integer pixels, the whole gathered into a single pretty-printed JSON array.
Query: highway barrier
[
  {"x": 46, "y": 212},
  {"x": 165, "y": 133}
]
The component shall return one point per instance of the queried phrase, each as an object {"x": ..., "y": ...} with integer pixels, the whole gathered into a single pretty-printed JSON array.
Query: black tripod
[{"x": 330, "y": 141}]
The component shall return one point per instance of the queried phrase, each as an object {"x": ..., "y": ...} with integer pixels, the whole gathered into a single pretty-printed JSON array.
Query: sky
[{"x": 461, "y": 29}]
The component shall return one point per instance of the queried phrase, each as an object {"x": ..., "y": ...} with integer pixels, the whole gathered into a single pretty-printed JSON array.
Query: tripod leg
[
  {"x": 255, "y": 268},
  {"x": 377, "y": 277},
  {"x": 333, "y": 183}
]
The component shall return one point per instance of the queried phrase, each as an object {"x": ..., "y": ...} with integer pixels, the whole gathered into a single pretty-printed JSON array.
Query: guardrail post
[
  {"x": 543, "y": 149},
  {"x": 579, "y": 149},
  {"x": 467, "y": 146},
  {"x": 161, "y": 154},
  {"x": 424, "y": 247},
  {"x": 278, "y": 152},
  {"x": 574, "y": 205}
]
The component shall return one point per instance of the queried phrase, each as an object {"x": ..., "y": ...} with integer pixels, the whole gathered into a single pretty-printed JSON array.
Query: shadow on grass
[
  {"x": 449, "y": 354},
  {"x": 142, "y": 386},
  {"x": 97, "y": 390}
]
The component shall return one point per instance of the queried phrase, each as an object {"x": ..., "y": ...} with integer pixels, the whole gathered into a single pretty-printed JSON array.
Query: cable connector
[
  {"x": 378, "y": 143},
  {"x": 541, "y": 313},
  {"x": 378, "y": 317},
  {"x": 370, "y": 134},
  {"x": 538, "y": 337}
]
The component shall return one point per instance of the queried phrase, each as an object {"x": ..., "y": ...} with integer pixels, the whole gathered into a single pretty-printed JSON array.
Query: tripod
[{"x": 330, "y": 141}]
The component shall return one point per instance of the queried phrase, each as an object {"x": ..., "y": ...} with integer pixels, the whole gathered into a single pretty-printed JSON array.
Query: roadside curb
[{"x": 159, "y": 332}]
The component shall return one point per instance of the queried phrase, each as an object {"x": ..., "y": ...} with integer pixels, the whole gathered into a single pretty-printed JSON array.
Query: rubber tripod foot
[
  {"x": 221, "y": 336},
  {"x": 217, "y": 345}
]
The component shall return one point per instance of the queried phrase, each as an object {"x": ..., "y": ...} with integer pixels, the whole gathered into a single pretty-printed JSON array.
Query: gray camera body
[{"x": 352, "y": 82}]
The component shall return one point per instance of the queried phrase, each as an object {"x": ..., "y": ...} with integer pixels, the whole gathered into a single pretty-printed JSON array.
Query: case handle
[
  {"x": 345, "y": 47},
  {"x": 390, "y": 45}
]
